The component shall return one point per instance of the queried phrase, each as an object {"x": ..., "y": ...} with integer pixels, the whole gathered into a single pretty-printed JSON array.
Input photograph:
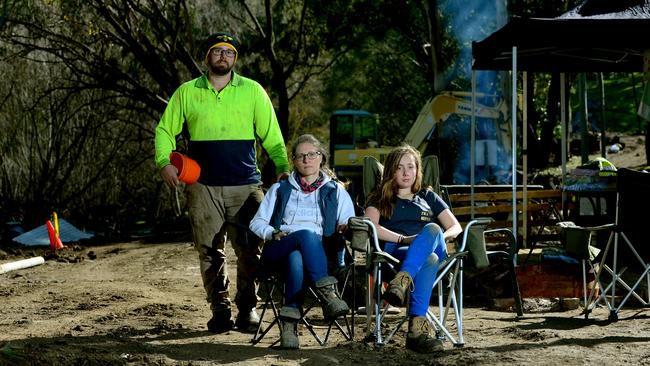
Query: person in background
[
  {"x": 223, "y": 112},
  {"x": 413, "y": 223},
  {"x": 297, "y": 218}
]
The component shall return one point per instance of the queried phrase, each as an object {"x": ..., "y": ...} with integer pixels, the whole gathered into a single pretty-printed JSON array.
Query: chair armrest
[
  {"x": 480, "y": 222},
  {"x": 512, "y": 242},
  {"x": 453, "y": 256},
  {"x": 570, "y": 225},
  {"x": 595, "y": 228},
  {"x": 359, "y": 233},
  {"x": 389, "y": 258}
]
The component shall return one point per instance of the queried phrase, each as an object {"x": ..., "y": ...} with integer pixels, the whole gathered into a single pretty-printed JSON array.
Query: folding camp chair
[
  {"x": 628, "y": 261},
  {"x": 577, "y": 242},
  {"x": 449, "y": 282},
  {"x": 372, "y": 172},
  {"x": 270, "y": 315},
  {"x": 483, "y": 258},
  {"x": 273, "y": 286}
]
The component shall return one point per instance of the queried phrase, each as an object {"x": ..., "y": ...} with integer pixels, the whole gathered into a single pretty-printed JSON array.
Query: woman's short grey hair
[{"x": 310, "y": 139}]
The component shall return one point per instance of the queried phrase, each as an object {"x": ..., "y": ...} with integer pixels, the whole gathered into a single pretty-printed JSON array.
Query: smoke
[{"x": 470, "y": 21}]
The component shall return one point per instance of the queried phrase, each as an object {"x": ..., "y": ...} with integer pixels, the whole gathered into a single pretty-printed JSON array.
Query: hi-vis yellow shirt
[{"x": 222, "y": 127}]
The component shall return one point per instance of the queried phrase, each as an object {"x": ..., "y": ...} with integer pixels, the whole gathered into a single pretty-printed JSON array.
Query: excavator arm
[{"x": 438, "y": 109}]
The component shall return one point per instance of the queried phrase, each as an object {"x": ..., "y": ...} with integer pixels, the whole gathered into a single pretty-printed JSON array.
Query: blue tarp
[{"x": 39, "y": 236}]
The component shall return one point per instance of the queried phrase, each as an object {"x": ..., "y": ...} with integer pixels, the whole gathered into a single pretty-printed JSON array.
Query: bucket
[{"x": 188, "y": 169}]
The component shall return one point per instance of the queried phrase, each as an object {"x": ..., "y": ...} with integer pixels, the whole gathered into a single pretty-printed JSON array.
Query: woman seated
[
  {"x": 413, "y": 223},
  {"x": 295, "y": 217}
]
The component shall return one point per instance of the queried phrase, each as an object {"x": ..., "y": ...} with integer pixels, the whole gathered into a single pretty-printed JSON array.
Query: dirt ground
[
  {"x": 632, "y": 155},
  {"x": 142, "y": 303}
]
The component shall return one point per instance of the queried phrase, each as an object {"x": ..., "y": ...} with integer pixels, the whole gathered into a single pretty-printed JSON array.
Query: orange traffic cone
[{"x": 55, "y": 241}]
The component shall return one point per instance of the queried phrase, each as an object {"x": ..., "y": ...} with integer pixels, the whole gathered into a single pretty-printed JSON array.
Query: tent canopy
[{"x": 596, "y": 36}]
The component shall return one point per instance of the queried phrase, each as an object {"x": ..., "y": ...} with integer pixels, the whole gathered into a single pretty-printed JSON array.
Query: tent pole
[
  {"x": 524, "y": 157},
  {"x": 514, "y": 141},
  {"x": 563, "y": 127},
  {"x": 472, "y": 149},
  {"x": 603, "y": 127},
  {"x": 584, "y": 122}
]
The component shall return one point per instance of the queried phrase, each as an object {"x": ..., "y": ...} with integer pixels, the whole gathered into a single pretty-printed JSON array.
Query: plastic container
[{"x": 188, "y": 169}]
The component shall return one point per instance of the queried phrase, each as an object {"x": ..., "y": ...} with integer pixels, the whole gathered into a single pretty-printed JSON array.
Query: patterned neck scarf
[{"x": 308, "y": 188}]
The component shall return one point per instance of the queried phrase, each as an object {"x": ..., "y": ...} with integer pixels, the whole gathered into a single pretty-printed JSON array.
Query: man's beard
[{"x": 221, "y": 68}]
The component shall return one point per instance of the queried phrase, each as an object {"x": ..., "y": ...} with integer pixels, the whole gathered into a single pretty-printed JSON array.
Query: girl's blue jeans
[
  {"x": 421, "y": 259},
  {"x": 295, "y": 256}
]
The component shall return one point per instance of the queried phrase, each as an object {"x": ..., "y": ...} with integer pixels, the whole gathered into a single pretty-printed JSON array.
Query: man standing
[{"x": 224, "y": 113}]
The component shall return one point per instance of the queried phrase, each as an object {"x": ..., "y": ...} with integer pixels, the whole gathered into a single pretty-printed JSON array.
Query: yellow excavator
[{"x": 354, "y": 134}]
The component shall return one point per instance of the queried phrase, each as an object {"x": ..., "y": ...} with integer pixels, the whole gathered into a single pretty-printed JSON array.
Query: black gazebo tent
[{"x": 597, "y": 36}]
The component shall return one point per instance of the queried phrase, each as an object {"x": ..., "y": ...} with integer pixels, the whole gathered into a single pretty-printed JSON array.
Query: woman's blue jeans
[
  {"x": 294, "y": 256},
  {"x": 421, "y": 259}
]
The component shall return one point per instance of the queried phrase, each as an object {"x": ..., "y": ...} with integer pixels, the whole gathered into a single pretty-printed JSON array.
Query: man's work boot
[
  {"x": 289, "y": 318},
  {"x": 333, "y": 305},
  {"x": 419, "y": 337},
  {"x": 397, "y": 288},
  {"x": 221, "y": 319},
  {"x": 247, "y": 321}
]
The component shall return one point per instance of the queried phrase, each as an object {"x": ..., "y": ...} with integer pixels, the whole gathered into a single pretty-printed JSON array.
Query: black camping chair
[{"x": 626, "y": 255}]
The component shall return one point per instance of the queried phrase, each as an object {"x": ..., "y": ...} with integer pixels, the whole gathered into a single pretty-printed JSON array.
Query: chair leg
[
  {"x": 345, "y": 331},
  {"x": 398, "y": 326},
  {"x": 354, "y": 295},
  {"x": 269, "y": 305},
  {"x": 519, "y": 308},
  {"x": 593, "y": 298},
  {"x": 454, "y": 301},
  {"x": 376, "y": 307},
  {"x": 369, "y": 304},
  {"x": 310, "y": 328},
  {"x": 380, "y": 313},
  {"x": 608, "y": 293},
  {"x": 584, "y": 281},
  {"x": 348, "y": 332},
  {"x": 631, "y": 291}
]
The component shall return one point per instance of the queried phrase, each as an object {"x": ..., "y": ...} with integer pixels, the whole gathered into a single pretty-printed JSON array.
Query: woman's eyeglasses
[{"x": 310, "y": 155}]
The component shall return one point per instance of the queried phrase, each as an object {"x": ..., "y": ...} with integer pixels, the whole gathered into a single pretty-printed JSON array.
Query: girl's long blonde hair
[{"x": 386, "y": 192}]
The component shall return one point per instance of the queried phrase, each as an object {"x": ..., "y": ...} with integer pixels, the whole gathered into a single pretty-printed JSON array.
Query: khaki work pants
[{"x": 216, "y": 215}]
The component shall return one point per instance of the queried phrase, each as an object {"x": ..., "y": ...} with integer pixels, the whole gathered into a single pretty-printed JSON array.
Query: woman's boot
[
  {"x": 396, "y": 292},
  {"x": 333, "y": 305},
  {"x": 419, "y": 337},
  {"x": 289, "y": 318}
]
